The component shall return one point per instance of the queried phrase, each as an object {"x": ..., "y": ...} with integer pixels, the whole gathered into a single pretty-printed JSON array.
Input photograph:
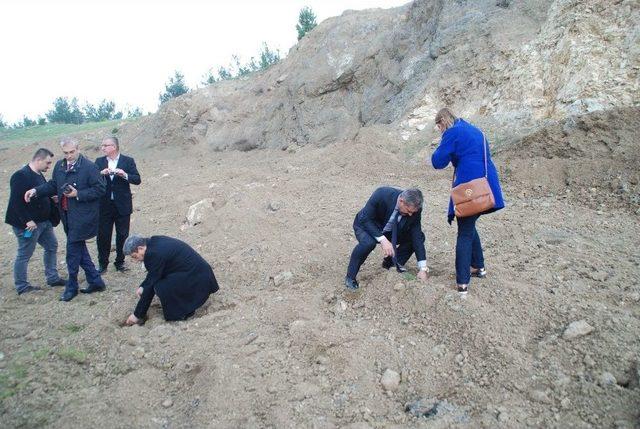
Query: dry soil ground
[{"x": 277, "y": 351}]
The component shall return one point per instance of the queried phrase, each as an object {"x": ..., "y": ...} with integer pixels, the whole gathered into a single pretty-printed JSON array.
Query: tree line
[{"x": 68, "y": 111}]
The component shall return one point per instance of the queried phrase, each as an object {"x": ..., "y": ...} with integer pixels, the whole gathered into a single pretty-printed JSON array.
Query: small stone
[
  {"x": 459, "y": 359},
  {"x": 607, "y": 379},
  {"x": 577, "y": 329},
  {"x": 390, "y": 380},
  {"x": 165, "y": 175},
  {"x": 398, "y": 287},
  {"x": 167, "y": 403},
  {"x": 272, "y": 389},
  {"x": 322, "y": 360},
  {"x": 588, "y": 361},
  {"x": 280, "y": 279},
  {"x": 343, "y": 305},
  {"x": 32, "y": 335},
  {"x": 565, "y": 403},
  {"x": 138, "y": 352},
  {"x": 359, "y": 304},
  {"x": 274, "y": 206},
  {"x": 540, "y": 396}
]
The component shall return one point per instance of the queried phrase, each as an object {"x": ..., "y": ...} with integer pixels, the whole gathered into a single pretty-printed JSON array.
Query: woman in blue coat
[{"x": 463, "y": 145}]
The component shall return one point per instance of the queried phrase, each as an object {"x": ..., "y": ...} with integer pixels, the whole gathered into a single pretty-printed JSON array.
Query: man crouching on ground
[
  {"x": 391, "y": 217},
  {"x": 180, "y": 277}
]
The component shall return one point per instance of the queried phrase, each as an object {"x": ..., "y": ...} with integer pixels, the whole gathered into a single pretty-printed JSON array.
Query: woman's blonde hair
[{"x": 446, "y": 117}]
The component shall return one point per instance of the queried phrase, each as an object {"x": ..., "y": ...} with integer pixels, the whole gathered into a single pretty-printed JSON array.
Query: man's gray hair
[
  {"x": 68, "y": 141},
  {"x": 413, "y": 197},
  {"x": 132, "y": 243},
  {"x": 114, "y": 140}
]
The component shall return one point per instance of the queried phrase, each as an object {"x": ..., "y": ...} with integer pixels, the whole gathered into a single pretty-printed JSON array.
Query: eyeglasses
[{"x": 106, "y": 145}]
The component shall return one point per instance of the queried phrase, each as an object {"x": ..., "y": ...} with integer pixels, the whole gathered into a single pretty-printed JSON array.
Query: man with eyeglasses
[
  {"x": 116, "y": 205},
  {"x": 78, "y": 184}
]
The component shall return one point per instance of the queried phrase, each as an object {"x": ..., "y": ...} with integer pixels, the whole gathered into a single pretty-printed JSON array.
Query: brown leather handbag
[{"x": 474, "y": 197}]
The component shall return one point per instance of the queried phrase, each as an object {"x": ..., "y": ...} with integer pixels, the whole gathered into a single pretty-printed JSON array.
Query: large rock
[{"x": 198, "y": 211}]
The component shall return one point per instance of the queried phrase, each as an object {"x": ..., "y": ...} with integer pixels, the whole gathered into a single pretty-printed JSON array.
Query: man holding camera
[
  {"x": 115, "y": 205},
  {"x": 78, "y": 184}
]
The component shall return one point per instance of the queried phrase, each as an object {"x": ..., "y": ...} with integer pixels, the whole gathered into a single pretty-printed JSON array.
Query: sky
[{"x": 126, "y": 50}]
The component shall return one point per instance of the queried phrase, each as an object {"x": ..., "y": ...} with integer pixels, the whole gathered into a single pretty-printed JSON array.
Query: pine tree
[{"x": 306, "y": 21}]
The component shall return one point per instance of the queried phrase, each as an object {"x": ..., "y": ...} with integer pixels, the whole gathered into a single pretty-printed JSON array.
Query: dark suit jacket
[
  {"x": 376, "y": 213},
  {"x": 119, "y": 186},
  {"x": 180, "y": 277},
  {"x": 81, "y": 220}
]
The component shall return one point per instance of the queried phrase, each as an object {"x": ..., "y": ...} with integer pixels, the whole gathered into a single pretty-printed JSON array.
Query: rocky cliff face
[{"x": 514, "y": 65}]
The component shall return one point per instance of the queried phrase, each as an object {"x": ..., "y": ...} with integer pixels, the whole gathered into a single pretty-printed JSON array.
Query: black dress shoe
[
  {"x": 93, "y": 288},
  {"x": 122, "y": 268},
  {"x": 102, "y": 269},
  {"x": 59, "y": 282},
  {"x": 387, "y": 263},
  {"x": 351, "y": 284},
  {"x": 68, "y": 295}
]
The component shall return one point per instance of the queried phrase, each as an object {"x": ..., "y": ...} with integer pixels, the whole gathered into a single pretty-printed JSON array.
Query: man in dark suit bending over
[
  {"x": 115, "y": 206},
  {"x": 176, "y": 273},
  {"x": 391, "y": 218}
]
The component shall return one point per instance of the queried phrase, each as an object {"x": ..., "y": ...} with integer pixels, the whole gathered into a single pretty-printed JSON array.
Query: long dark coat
[{"x": 180, "y": 277}]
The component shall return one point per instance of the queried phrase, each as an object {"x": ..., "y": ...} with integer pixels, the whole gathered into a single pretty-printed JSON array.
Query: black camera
[{"x": 66, "y": 188}]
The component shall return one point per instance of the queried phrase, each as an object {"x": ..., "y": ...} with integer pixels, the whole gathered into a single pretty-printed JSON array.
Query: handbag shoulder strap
[
  {"x": 484, "y": 144},
  {"x": 486, "y": 170}
]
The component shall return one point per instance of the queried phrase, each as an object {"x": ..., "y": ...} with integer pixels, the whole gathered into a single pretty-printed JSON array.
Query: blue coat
[
  {"x": 81, "y": 220},
  {"x": 462, "y": 146}
]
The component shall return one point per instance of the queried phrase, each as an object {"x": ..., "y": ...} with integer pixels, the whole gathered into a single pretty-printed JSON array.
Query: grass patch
[
  {"x": 73, "y": 328},
  {"x": 73, "y": 355},
  {"x": 37, "y": 133},
  {"x": 41, "y": 353},
  {"x": 11, "y": 380},
  {"x": 409, "y": 276}
]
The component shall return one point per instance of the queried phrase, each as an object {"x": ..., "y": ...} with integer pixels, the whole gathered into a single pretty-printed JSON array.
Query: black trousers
[
  {"x": 109, "y": 217},
  {"x": 366, "y": 245}
]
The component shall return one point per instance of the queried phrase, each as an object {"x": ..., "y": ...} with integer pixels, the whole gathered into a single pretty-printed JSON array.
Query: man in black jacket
[
  {"x": 180, "y": 277},
  {"x": 78, "y": 184},
  {"x": 31, "y": 222},
  {"x": 392, "y": 218},
  {"x": 115, "y": 206}
]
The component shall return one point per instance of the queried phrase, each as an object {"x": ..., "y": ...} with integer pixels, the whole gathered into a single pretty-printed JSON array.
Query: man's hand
[
  {"x": 72, "y": 193},
  {"x": 422, "y": 274},
  {"x": 131, "y": 320},
  {"x": 387, "y": 247},
  {"x": 139, "y": 291},
  {"x": 55, "y": 199},
  {"x": 28, "y": 195},
  {"x": 31, "y": 225},
  {"x": 120, "y": 172},
  {"x": 105, "y": 172}
]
